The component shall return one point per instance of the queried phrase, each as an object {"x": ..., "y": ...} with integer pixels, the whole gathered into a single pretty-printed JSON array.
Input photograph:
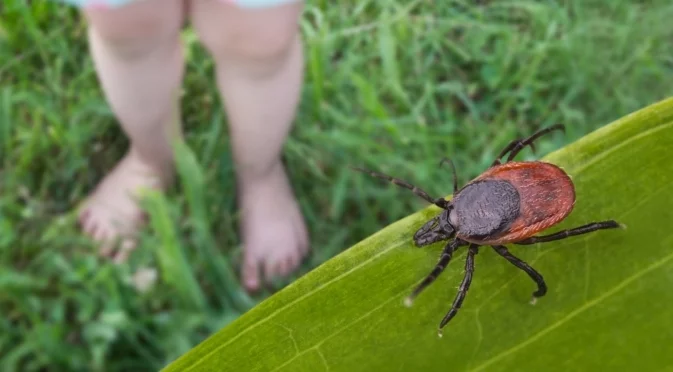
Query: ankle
[
  {"x": 160, "y": 162},
  {"x": 248, "y": 177}
]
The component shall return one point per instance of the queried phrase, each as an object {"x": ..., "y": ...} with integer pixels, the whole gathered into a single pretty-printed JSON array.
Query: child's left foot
[{"x": 275, "y": 237}]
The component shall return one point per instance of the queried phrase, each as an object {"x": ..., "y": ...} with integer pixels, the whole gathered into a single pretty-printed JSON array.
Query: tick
[{"x": 507, "y": 204}]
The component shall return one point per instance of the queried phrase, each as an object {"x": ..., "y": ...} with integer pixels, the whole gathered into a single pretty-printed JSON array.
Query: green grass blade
[
  {"x": 219, "y": 268},
  {"x": 172, "y": 260}
]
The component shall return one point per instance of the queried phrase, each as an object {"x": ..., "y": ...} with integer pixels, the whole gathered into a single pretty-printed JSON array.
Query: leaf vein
[
  {"x": 480, "y": 336},
  {"x": 322, "y": 357},
  {"x": 290, "y": 334}
]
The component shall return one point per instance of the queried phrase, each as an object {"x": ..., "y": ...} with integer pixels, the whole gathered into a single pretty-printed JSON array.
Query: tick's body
[
  {"x": 508, "y": 203},
  {"x": 512, "y": 201}
]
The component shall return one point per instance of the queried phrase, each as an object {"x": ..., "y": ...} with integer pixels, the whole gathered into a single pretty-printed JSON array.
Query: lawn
[{"x": 392, "y": 85}]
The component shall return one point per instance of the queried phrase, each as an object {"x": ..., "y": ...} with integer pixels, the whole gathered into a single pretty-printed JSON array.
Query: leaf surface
[{"x": 608, "y": 305}]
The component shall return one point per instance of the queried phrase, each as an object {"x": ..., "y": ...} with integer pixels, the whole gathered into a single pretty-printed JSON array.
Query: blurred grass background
[{"x": 393, "y": 85}]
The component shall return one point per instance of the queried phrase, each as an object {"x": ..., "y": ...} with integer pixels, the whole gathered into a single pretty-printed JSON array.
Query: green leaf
[{"x": 608, "y": 305}]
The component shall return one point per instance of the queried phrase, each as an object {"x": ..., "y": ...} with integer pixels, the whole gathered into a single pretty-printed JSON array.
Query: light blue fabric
[
  {"x": 89, "y": 3},
  {"x": 118, "y": 3},
  {"x": 261, "y": 3}
]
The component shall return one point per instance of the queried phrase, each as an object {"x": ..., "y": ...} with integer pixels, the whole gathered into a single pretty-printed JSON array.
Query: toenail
[{"x": 84, "y": 215}]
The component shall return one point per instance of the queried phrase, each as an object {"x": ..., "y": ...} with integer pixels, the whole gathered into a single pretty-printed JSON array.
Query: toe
[
  {"x": 99, "y": 233},
  {"x": 125, "y": 249},
  {"x": 282, "y": 268},
  {"x": 106, "y": 248},
  {"x": 291, "y": 264},
  {"x": 302, "y": 236},
  {"x": 92, "y": 230},
  {"x": 303, "y": 247},
  {"x": 269, "y": 270},
  {"x": 105, "y": 242},
  {"x": 89, "y": 225},
  {"x": 250, "y": 273},
  {"x": 84, "y": 216}
]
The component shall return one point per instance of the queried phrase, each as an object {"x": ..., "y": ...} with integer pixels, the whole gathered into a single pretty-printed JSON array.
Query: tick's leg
[
  {"x": 464, "y": 286},
  {"x": 440, "y": 202},
  {"x": 516, "y": 146},
  {"x": 529, "y": 141},
  {"x": 444, "y": 259},
  {"x": 507, "y": 149},
  {"x": 539, "y": 280},
  {"x": 453, "y": 168},
  {"x": 570, "y": 232}
]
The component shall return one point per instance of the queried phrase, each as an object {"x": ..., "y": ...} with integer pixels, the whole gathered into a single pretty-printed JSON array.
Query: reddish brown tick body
[
  {"x": 546, "y": 197},
  {"x": 509, "y": 203}
]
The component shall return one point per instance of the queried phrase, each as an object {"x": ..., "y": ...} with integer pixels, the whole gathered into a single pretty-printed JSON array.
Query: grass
[{"x": 392, "y": 85}]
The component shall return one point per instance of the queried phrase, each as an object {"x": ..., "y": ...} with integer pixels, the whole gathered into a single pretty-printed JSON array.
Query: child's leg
[
  {"x": 139, "y": 62},
  {"x": 259, "y": 61}
]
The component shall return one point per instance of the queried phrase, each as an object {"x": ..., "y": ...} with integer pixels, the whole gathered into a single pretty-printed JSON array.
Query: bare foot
[
  {"x": 111, "y": 214},
  {"x": 274, "y": 233}
]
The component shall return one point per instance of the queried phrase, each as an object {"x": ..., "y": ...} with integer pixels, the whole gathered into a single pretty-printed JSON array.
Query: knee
[
  {"x": 135, "y": 30},
  {"x": 263, "y": 47}
]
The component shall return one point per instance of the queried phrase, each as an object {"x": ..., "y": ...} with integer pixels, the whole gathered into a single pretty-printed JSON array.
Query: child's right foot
[{"x": 111, "y": 215}]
